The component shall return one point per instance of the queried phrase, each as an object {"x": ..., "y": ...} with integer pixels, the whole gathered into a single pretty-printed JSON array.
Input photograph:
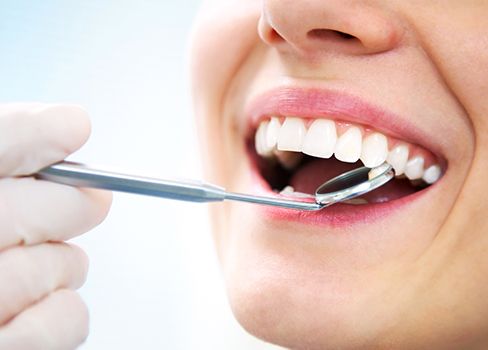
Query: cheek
[
  {"x": 223, "y": 35},
  {"x": 458, "y": 44}
]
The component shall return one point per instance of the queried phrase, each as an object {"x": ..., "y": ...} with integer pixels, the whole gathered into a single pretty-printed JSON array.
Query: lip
[
  {"x": 336, "y": 105},
  {"x": 323, "y": 103}
]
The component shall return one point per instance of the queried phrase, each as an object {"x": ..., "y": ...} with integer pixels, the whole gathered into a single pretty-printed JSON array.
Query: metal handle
[{"x": 79, "y": 175}]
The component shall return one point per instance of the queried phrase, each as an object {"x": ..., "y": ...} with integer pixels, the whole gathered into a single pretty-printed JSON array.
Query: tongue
[{"x": 310, "y": 175}]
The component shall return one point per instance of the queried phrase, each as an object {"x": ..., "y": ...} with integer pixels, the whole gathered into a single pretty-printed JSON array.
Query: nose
[{"x": 354, "y": 27}]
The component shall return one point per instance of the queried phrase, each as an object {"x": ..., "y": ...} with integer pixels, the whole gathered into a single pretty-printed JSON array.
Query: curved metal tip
[{"x": 353, "y": 184}]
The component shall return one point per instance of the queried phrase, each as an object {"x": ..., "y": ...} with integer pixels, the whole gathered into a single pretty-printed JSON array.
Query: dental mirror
[
  {"x": 341, "y": 188},
  {"x": 353, "y": 184}
]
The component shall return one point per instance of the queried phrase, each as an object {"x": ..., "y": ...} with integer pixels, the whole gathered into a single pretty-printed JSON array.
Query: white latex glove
[{"x": 39, "y": 308}]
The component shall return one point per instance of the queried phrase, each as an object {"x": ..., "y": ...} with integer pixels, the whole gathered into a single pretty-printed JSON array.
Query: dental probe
[{"x": 80, "y": 175}]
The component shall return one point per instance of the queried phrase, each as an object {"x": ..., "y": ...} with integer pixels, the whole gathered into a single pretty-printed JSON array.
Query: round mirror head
[{"x": 353, "y": 184}]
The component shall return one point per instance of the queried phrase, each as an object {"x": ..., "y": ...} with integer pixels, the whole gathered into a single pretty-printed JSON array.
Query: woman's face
[{"x": 402, "y": 80}]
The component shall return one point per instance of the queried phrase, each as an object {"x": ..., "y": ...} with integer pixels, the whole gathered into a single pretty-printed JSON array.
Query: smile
[{"x": 295, "y": 147}]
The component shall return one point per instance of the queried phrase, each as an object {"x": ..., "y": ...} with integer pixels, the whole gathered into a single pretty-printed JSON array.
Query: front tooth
[
  {"x": 415, "y": 168},
  {"x": 272, "y": 132},
  {"x": 374, "y": 150},
  {"x": 432, "y": 174},
  {"x": 320, "y": 139},
  {"x": 291, "y": 135},
  {"x": 398, "y": 158},
  {"x": 348, "y": 146},
  {"x": 260, "y": 138}
]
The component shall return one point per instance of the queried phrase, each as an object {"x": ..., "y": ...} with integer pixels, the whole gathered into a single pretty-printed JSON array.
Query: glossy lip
[
  {"x": 321, "y": 103},
  {"x": 340, "y": 106}
]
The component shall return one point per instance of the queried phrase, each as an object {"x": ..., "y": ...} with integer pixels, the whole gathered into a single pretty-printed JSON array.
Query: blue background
[{"x": 154, "y": 281}]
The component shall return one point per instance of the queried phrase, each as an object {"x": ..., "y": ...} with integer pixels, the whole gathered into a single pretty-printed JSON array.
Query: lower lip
[{"x": 336, "y": 216}]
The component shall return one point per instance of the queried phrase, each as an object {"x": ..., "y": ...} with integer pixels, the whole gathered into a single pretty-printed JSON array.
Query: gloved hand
[{"x": 39, "y": 308}]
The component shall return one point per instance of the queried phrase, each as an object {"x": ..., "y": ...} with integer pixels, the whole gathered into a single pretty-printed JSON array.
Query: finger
[
  {"x": 28, "y": 274},
  {"x": 60, "y": 321},
  {"x": 34, "y": 211},
  {"x": 33, "y": 136}
]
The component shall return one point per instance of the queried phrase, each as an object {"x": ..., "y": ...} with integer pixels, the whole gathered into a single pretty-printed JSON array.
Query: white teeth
[
  {"x": 375, "y": 172},
  {"x": 291, "y": 135},
  {"x": 320, "y": 139},
  {"x": 290, "y": 191},
  {"x": 398, "y": 158},
  {"x": 287, "y": 190},
  {"x": 289, "y": 160},
  {"x": 415, "y": 168},
  {"x": 374, "y": 150},
  {"x": 348, "y": 146},
  {"x": 272, "y": 132},
  {"x": 288, "y": 142},
  {"x": 432, "y": 174}
]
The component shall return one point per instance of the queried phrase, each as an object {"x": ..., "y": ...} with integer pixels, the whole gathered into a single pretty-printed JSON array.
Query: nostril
[
  {"x": 345, "y": 35},
  {"x": 327, "y": 34}
]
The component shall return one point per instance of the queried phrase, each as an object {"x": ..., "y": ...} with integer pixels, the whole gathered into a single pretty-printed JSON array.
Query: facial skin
[{"x": 415, "y": 279}]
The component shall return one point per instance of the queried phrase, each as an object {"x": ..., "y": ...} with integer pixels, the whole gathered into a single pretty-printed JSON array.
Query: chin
[
  {"x": 295, "y": 308},
  {"x": 348, "y": 276}
]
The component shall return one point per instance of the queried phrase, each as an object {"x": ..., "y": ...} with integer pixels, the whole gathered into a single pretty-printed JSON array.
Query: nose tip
[{"x": 314, "y": 26}]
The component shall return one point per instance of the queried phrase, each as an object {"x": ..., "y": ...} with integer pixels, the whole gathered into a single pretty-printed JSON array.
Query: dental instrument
[{"x": 344, "y": 187}]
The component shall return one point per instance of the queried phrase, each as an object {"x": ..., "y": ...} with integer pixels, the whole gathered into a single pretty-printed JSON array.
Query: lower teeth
[
  {"x": 356, "y": 201},
  {"x": 289, "y": 191}
]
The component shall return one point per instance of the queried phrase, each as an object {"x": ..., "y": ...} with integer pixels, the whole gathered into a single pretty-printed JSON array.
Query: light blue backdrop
[{"x": 153, "y": 281}]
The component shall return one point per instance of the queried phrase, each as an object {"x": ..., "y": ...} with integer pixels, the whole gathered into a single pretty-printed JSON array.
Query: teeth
[
  {"x": 432, "y": 174},
  {"x": 287, "y": 190},
  {"x": 374, "y": 150},
  {"x": 291, "y": 135},
  {"x": 415, "y": 168},
  {"x": 375, "y": 172},
  {"x": 288, "y": 142},
  {"x": 348, "y": 146},
  {"x": 290, "y": 191},
  {"x": 272, "y": 133},
  {"x": 398, "y": 158},
  {"x": 320, "y": 139},
  {"x": 356, "y": 201}
]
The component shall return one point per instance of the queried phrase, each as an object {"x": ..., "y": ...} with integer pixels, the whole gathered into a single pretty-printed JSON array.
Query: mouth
[{"x": 295, "y": 147}]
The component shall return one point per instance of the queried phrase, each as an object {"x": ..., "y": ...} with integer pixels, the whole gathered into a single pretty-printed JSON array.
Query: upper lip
[{"x": 337, "y": 105}]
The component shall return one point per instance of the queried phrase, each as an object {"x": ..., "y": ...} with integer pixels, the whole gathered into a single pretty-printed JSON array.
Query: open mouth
[{"x": 296, "y": 155}]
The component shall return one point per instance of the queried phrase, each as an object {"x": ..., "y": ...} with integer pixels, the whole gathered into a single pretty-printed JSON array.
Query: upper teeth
[
  {"x": 291, "y": 135},
  {"x": 348, "y": 146},
  {"x": 398, "y": 158},
  {"x": 321, "y": 139}
]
